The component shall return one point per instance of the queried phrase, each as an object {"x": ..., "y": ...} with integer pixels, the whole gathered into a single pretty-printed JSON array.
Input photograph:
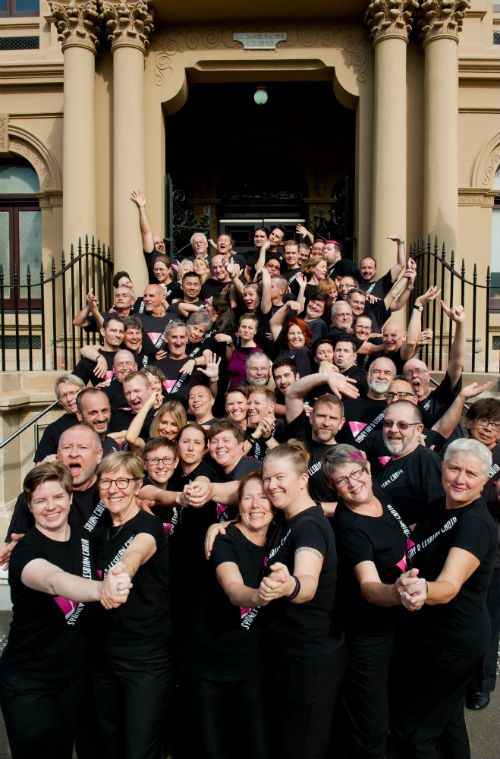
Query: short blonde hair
[{"x": 132, "y": 462}]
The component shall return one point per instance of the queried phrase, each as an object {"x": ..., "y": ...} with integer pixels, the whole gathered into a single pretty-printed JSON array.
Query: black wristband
[
  {"x": 295, "y": 592},
  {"x": 251, "y": 439}
]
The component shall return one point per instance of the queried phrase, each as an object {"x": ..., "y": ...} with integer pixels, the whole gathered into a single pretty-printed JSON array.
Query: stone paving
[{"x": 483, "y": 726}]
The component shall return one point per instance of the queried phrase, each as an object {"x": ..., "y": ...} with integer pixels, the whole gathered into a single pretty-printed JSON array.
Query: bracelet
[
  {"x": 214, "y": 379},
  {"x": 418, "y": 308},
  {"x": 295, "y": 592},
  {"x": 426, "y": 590},
  {"x": 251, "y": 439}
]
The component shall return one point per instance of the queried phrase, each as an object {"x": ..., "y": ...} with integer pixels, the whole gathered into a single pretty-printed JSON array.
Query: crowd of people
[{"x": 258, "y": 529}]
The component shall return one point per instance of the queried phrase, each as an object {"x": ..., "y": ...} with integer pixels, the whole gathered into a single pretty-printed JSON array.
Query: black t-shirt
[
  {"x": 50, "y": 439},
  {"x": 307, "y": 629},
  {"x": 47, "y": 638},
  {"x": 412, "y": 482},
  {"x": 378, "y": 313},
  {"x": 223, "y": 640},
  {"x": 440, "y": 399},
  {"x": 362, "y": 417},
  {"x": 122, "y": 419},
  {"x": 174, "y": 308},
  {"x": 379, "y": 455},
  {"x": 116, "y": 396},
  {"x": 379, "y": 287},
  {"x": 177, "y": 384},
  {"x": 381, "y": 540},
  {"x": 355, "y": 372},
  {"x": 259, "y": 450},
  {"x": 85, "y": 368},
  {"x": 461, "y": 626},
  {"x": 213, "y": 287},
  {"x": 144, "y": 621},
  {"x": 82, "y": 508},
  {"x": 301, "y": 429},
  {"x": 154, "y": 327}
]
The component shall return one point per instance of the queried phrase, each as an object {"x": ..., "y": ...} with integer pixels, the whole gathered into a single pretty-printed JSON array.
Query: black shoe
[{"x": 477, "y": 700}]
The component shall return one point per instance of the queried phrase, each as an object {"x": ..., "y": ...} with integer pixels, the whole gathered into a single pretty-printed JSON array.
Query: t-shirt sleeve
[
  {"x": 22, "y": 554},
  {"x": 152, "y": 525},
  {"x": 474, "y": 535},
  {"x": 308, "y": 534},
  {"x": 354, "y": 546},
  {"x": 224, "y": 550},
  {"x": 22, "y": 518}
]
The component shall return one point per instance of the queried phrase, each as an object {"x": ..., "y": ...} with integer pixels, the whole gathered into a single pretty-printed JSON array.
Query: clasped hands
[
  {"x": 115, "y": 587},
  {"x": 412, "y": 590}
]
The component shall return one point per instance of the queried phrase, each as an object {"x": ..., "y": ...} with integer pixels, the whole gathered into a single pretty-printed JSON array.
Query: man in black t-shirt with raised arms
[
  {"x": 80, "y": 451},
  {"x": 433, "y": 403},
  {"x": 318, "y": 433},
  {"x": 368, "y": 271},
  {"x": 412, "y": 477},
  {"x": 153, "y": 245}
]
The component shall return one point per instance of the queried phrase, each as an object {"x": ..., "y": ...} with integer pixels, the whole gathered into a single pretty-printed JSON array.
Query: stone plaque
[{"x": 260, "y": 40}]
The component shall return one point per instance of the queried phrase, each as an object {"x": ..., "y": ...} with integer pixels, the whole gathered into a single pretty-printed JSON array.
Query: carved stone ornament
[
  {"x": 4, "y": 133},
  {"x": 77, "y": 23},
  {"x": 176, "y": 41},
  {"x": 128, "y": 24},
  {"x": 390, "y": 18},
  {"x": 442, "y": 18}
]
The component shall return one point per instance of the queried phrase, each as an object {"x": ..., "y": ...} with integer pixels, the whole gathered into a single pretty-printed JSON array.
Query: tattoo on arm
[{"x": 312, "y": 550}]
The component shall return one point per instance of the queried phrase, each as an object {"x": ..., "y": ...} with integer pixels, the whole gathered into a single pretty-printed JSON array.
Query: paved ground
[{"x": 484, "y": 726}]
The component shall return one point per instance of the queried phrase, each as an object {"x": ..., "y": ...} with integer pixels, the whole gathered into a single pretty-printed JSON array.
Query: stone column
[
  {"x": 389, "y": 22},
  {"x": 129, "y": 26},
  {"x": 77, "y": 26},
  {"x": 440, "y": 23}
]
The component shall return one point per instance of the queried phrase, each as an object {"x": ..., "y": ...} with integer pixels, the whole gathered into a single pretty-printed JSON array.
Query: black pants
[
  {"x": 364, "y": 692},
  {"x": 300, "y": 698},
  {"x": 427, "y": 703},
  {"x": 229, "y": 718},
  {"x": 40, "y": 717},
  {"x": 132, "y": 694},
  {"x": 485, "y": 677}
]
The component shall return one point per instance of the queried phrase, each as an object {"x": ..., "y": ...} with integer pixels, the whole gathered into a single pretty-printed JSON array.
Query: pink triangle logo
[
  {"x": 384, "y": 460},
  {"x": 356, "y": 428}
]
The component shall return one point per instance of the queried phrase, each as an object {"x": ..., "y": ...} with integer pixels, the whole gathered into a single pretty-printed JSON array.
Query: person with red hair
[{"x": 292, "y": 337}]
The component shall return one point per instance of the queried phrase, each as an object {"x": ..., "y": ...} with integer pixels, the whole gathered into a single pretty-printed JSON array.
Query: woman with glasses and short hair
[
  {"x": 133, "y": 672},
  {"x": 372, "y": 540}
]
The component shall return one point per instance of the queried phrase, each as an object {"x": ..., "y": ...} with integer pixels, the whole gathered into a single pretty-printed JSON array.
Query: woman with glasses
[
  {"x": 451, "y": 564},
  {"x": 42, "y": 670},
  {"x": 483, "y": 424},
  {"x": 372, "y": 540},
  {"x": 133, "y": 677}
]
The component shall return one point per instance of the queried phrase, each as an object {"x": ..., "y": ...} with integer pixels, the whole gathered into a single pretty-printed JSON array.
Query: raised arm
[
  {"x": 400, "y": 292},
  {"x": 265, "y": 301},
  {"x": 146, "y": 231},
  {"x": 278, "y": 319},
  {"x": 45, "y": 577},
  {"x": 401, "y": 257},
  {"x": 82, "y": 317},
  {"x": 452, "y": 416},
  {"x": 259, "y": 264},
  {"x": 456, "y": 360},
  {"x": 304, "y": 232},
  {"x": 409, "y": 348},
  {"x": 337, "y": 383},
  {"x": 136, "y": 425}
]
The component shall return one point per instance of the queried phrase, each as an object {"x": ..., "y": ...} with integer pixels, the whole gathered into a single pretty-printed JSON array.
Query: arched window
[{"x": 20, "y": 231}]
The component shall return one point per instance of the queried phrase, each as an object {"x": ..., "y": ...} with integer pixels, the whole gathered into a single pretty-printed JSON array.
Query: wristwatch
[{"x": 417, "y": 307}]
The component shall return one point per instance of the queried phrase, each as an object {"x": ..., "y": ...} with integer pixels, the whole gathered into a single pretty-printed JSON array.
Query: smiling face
[
  {"x": 343, "y": 316},
  {"x": 96, "y": 412},
  {"x": 168, "y": 427},
  {"x": 346, "y": 284},
  {"x": 201, "y": 401},
  {"x": 363, "y": 327},
  {"x": 463, "y": 479},
  {"x": 225, "y": 450},
  {"x": 219, "y": 270},
  {"x": 224, "y": 244},
  {"x": 257, "y": 369},
  {"x": 199, "y": 244},
  {"x": 113, "y": 334},
  {"x": 255, "y": 508},
  {"x": 66, "y": 395},
  {"x": 176, "y": 342},
  {"x": 78, "y": 451},
  {"x": 315, "y": 309},
  {"x": 326, "y": 420},
  {"x": 251, "y": 297},
  {"x": 201, "y": 267},
  {"x": 353, "y": 483},
  {"x": 123, "y": 298},
  {"x": 153, "y": 298},
  {"x": 191, "y": 286},
  {"x": 393, "y": 336},
  {"x": 320, "y": 270},
  {"x": 118, "y": 500},
  {"x": 400, "y": 429},
  {"x": 380, "y": 375},
  {"x": 236, "y": 406},
  {"x": 136, "y": 392},
  {"x": 160, "y": 464},
  {"x": 357, "y": 302},
  {"x": 161, "y": 271},
  {"x": 50, "y": 504},
  {"x": 485, "y": 430},
  {"x": 196, "y": 332},
  {"x": 123, "y": 364},
  {"x": 318, "y": 248},
  {"x": 132, "y": 339},
  {"x": 282, "y": 484},
  {"x": 291, "y": 256},
  {"x": 367, "y": 268},
  {"x": 295, "y": 338},
  {"x": 284, "y": 377},
  {"x": 259, "y": 407}
]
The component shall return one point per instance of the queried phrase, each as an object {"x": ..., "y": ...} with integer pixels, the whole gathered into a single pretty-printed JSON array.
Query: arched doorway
[{"x": 277, "y": 162}]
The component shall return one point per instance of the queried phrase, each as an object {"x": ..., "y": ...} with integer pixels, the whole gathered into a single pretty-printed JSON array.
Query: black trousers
[
  {"x": 300, "y": 697},
  {"x": 133, "y": 694},
  {"x": 365, "y": 697},
  {"x": 485, "y": 677},
  {"x": 229, "y": 718},
  {"x": 40, "y": 717},
  {"x": 427, "y": 703}
]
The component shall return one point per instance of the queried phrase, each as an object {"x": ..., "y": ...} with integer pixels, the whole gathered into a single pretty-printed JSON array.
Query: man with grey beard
[
  {"x": 258, "y": 369},
  {"x": 411, "y": 479}
]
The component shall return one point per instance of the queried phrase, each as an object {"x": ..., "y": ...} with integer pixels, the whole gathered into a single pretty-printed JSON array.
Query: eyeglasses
[
  {"x": 68, "y": 396},
  {"x": 401, "y": 395},
  {"x": 488, "y": 423},
  {"x": 355, "y": 476},
  {"x": 417, "y": 372},
  {"x": 166, "y": 461},
  {"x": 388, "y": 424},
  {"x": 124, "y": 365},
  {"x": 121, "y": 483}
]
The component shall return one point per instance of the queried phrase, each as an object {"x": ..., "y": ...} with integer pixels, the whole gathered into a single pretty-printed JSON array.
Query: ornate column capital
[
  {"x": 77, "y": 24},
  {"x": 390, "y": 19},
  {"x": 128, "y": 24},
  {"x": 441, "y": 18}
]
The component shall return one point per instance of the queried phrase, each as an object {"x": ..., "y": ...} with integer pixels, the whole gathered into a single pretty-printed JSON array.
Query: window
[
  {"x": 19, "y": 7},
  {"x": 20, "y": 234}
]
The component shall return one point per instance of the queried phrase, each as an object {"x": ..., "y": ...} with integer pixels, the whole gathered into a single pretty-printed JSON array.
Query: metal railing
[
  {"x": 37, "y": 331},
  {"x": 29, "y": 424},
  {"x": 436, "y": 267}
]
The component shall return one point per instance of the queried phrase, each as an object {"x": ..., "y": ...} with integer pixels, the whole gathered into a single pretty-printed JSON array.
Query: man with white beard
[
  {"x": 366, "y": 414},
  {"x": 412, "y": 477}
]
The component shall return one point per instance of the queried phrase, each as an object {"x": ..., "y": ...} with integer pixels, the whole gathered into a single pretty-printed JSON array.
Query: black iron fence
[
  {"x": 458, "y": 287},
  {"x": 36, "y": 316}
]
